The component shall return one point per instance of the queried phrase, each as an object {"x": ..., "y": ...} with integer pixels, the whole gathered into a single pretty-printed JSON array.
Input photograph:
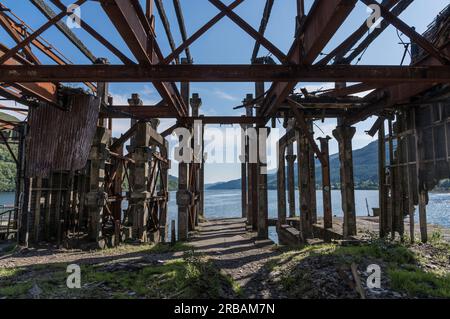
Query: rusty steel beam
[
  {"x": 322, "y": 22},
  {"x": 17, "y": 36},
  {"x": 410, "y": 32},
  {"x": 11, "y": 53},
  {"x": 224, "y": 120},
  {"x": 250, "y": 31},
  {"x": 46, "y": 92},
  {"x": 353, "y": 39},
  {"x": 97, "y": 36},
  {"x": 47, "y": 49},
  {"x": 402, "y": 93},
  {"x": 200, "y": 32},
  {"x": 166, "y": 24},
  {"x": 141, "y": 112},
  {"x": 262, "y": 27},
  {"x": 182, "y": 26},
  {"x": 63, "y": 28},
  {"x": 425, "y": 75},
  {"x": 132, "y": 24}
]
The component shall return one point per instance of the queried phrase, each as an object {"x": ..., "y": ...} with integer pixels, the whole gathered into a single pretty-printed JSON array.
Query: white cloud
[{"x": 225, "y": 96}]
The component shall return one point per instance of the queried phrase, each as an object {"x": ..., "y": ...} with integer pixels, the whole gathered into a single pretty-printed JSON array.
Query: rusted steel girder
[
  {"x": 427, "y": 74},
  {"x": 45, "y": 92},
  {"x": 136, "y": 31},
  {"x": 322, "y": 22},
  {"x": 410, "y": 32},
  {"x": 250, "y": 31},
  {"x": 400, "y": 93}
]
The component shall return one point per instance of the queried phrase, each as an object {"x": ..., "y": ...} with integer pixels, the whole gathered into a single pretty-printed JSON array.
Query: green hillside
[
  {"x": 365, "y": 161},
  {"x": 7, "y": 165}
]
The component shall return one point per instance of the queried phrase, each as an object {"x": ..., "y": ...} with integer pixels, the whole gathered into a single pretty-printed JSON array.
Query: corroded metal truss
[{"x": 26, "y": 80}]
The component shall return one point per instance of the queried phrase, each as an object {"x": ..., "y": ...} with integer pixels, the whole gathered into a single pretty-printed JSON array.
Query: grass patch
[
  {"x": 417, "y": 283},
  {"x": 191, "y": 276}
]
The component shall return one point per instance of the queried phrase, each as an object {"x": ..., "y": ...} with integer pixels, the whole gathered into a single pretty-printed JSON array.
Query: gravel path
[{"x": 238, "y": 254}]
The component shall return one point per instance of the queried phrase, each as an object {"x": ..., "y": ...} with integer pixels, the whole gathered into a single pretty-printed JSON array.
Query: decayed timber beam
[
  {"x": 322, "y": 22},
  {"x": 134, "y": 28},
  {"x": 225, "y": 73}
]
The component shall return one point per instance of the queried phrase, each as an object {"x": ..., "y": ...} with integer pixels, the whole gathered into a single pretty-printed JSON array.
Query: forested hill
[
  {"x": 365, "y": 162},
  {"x": 7, "y": 165}
]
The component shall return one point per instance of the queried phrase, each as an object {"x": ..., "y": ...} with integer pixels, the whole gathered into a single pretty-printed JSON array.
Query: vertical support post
[
  {"x": 96, "y": 198},
  {"x": 37, "y": 209},
  {"x": 344, "y": 135},
  {"x": 281, "y": 185},
  {"x": 21, "y": 188},
  {"x": 252, "y": 167},
  {"x": 383, "y": 224},
  {"x": 164, "y": 191},
  {"x": 411, "y": 208},
  {"x": 392, "y": 185},
  {"x": 244, "y": 161},
  {"x": 303, "y": 186},
  {"x": 290, "y": 158},
  {"x": 421, "y": 187},
  {"x": 116, "y": 209},
  {"x": 312, "y": 179},
  {"x": 183, "y": 194},
  {"x": 197, "y": 166},
  {"x": 326, "y": 184},
  {"x": 263, "y": 218}
]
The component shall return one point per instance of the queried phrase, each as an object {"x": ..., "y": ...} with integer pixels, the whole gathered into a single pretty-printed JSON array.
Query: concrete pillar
[
  {"x": 140, "y": 188},
  {"x": 96, "y": 197},
  {"x": 344, "y": 135},
  {"x": 326, "y": 184}
]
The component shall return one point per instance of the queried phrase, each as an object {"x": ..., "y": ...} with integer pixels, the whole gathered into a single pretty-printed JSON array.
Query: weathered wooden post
[
  {"x": 312, "y": 178},
  {"x": 421, "y": 187},
  {"x": 384, "y": 229},
  {"x": 281, "y": 185},
  {"x": 291, "y": 158},
  {"x": 184, "y": 197},
  {"x": 326, "y": 183},
  {"x": 252, "y": 167},
  {"x": 197, "y": 164},
  {"x": 303, "y": 186},
  {"x": 244, "y": 163},
  {"x": 344, "y": 135}
]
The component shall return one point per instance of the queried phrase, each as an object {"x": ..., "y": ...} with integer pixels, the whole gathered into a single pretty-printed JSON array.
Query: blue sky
[{"x": 226, "y": 44}]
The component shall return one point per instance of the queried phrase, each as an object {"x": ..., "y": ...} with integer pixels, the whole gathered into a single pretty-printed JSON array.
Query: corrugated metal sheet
[{"x": 61, "y": 140}]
